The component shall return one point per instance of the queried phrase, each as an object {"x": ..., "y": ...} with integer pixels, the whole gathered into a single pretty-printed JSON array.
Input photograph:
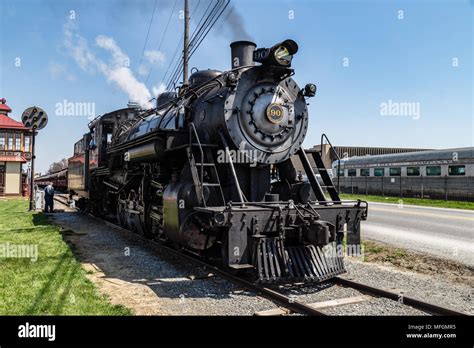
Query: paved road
[{"x": 448, "y": 233}]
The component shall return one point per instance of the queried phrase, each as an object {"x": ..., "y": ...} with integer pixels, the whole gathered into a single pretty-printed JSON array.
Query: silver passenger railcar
[{"x": 442, "y": 174}]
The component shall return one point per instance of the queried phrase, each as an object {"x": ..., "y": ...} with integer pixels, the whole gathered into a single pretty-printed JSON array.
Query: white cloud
[
  {"x": 78, "y": 48},
  {"x": 155, "y": 57},
  {"x": 117, "y": 71},
  {"x": 58, "y": 71}
]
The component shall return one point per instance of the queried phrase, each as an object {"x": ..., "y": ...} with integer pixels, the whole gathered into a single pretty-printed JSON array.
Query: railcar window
[
  {"x": 341, "y": 172},
  {"x": 351, "y": 172},
  {"x": 413, "y": 171},
  {"x": 379, "y": 171},
  {"x": 397, "y": 171},
  {"x": 457, "y": 170},
  {"x": 433, "y": 170},
  {"x": 365, "y": 172}
]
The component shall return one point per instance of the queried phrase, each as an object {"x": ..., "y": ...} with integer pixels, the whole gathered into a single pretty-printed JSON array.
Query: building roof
[
  {"x": 447, "y": 155},
  {"x": 13, "y": 159},
  {"x": 7, "y": 122},
  {"x": 4, "y": 107}
]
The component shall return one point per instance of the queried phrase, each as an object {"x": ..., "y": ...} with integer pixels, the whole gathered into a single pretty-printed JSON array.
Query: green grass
[
  {"x": 415, "y": 201},
  {"x": 54, "y": 284},
  {"x": 386, "y": 253}
]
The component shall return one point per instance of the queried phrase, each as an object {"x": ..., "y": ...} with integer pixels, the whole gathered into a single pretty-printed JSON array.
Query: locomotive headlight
[
  {"x": 283, "y": 56},
  {"x": 309, "y": 90},
  {"x": 219, "y": 219},
  {"x": 280, "y": 54}
]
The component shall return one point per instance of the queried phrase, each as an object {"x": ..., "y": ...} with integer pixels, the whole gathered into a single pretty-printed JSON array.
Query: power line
[
  {"x": 199, "y": 35},
  {"x": 180, "y": 43},
  {"x": 163, "y": 36},
  {"x": 176, "y": 64},
  {"x": 216, "y": 18},
  {"x": 148, "y": 33},
  {"x": 231, "y": 9}
]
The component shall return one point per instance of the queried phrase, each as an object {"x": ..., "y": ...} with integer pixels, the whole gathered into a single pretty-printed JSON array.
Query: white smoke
[
  {"x": 151, "y": 58},
  {"x": 159, "y": 89},
  {"x": 117, "y": 70}
]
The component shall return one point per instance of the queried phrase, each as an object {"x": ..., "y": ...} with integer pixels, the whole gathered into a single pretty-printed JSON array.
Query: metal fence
[{"x": 445, "y": 187}]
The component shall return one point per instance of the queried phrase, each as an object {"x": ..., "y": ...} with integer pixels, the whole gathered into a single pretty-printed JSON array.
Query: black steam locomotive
[{"x": 210, "y": 170}]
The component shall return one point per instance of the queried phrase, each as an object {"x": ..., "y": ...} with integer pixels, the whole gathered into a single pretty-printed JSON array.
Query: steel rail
[
  {"x": 283, "y": 300},
  {"x": 270, "y": 294},
  {"x": 392, "y": 295}
]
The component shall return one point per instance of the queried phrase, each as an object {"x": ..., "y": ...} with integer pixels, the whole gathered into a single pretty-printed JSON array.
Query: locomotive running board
[{"x": 277, "y": 263}]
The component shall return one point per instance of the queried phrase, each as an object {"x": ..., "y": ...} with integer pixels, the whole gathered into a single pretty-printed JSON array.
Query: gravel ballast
[{"x": 137, "y": 275}]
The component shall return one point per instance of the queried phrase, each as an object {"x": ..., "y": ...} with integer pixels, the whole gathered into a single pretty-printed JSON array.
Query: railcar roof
[{"x": 465, "y": 153}]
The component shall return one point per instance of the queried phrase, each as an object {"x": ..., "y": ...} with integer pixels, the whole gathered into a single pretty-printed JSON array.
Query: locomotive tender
[{"x": 209, "y": 170}]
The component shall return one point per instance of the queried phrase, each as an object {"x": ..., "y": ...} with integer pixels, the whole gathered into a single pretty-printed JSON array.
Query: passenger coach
[{"x": 443, "y": 174}]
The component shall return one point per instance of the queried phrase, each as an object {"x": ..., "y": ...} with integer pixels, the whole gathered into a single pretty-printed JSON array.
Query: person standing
[{"x": 49, "y": 198}]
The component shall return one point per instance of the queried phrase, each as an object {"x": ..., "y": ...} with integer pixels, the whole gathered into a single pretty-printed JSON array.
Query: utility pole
[
  {"x": 186, "y": 43},
  {"x": 35, "y": 119},
  {"x": 32, "y": 170}
]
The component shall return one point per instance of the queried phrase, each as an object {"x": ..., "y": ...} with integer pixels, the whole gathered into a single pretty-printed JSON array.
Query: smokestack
[{"x": 242, "y": 53}]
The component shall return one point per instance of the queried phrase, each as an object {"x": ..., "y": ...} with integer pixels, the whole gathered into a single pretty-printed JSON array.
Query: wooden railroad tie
[{"x": 317, "y": 305}]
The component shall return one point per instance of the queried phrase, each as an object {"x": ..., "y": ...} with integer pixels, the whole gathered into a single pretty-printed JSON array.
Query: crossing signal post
[{"x": 35, "y": 119}]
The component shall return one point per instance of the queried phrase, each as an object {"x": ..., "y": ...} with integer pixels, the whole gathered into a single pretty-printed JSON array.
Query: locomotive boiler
[{"x": 210, "y": 170}]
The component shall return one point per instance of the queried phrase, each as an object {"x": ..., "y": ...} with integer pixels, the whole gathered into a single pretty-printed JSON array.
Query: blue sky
[{"x": 418, "y": 52}]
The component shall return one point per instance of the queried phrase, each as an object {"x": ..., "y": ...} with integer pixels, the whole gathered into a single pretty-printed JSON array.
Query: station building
[{"x": 15, "y": 151}]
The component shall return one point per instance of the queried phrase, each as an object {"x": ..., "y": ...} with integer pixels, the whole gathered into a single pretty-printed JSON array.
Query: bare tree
[{"x": 57, "y": 166}]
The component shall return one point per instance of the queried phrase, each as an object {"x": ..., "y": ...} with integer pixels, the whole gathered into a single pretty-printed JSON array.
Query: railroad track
[
  {"x": 61, "y": 198},
  {"x": 287, "y": 304},
  {"x": 266, "y": 292}
]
